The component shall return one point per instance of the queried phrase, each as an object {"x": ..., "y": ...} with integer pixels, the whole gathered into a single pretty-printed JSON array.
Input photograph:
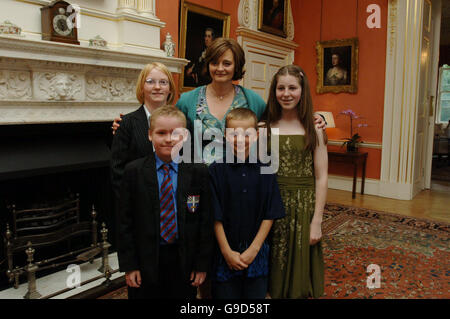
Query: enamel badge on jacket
[{"x": 192, "y": 203}]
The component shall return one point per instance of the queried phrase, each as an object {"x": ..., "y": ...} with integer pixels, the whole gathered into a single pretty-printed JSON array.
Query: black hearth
[{"x": 45, "y": 163}]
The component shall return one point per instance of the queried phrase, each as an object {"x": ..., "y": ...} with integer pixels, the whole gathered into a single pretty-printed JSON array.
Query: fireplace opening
[{"x": 44, "y": 164}]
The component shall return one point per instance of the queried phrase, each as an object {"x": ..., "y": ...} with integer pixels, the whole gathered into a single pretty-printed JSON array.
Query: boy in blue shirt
[{"x": 245, "y": 203}]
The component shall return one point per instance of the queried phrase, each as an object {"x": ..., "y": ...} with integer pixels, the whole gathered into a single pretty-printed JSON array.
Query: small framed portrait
[
  {"x": 199, "y": 26},
  {"x": 337, "y": 66},
  {"x": 273, "y": 16}
]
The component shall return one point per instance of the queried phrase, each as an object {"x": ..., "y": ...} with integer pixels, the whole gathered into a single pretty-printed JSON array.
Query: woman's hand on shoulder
[
  {"x": 115, "y": 124},
  {"x": 322, "y": 136},
  {"x": 319, "y": 121}
]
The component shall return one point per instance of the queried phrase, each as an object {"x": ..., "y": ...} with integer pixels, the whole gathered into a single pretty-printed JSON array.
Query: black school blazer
[
  {"x": 138, "y": 219},
  {"x": 129, "y": 143}
]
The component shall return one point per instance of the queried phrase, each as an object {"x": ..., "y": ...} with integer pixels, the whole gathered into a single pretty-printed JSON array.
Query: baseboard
[
  {"x": 371, "y": 186},
  {"x": 396, "y": 190}
]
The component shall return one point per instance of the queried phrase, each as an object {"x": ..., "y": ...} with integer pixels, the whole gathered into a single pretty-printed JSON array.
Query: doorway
[
  {"x": 436, "y": 151},
  {"x": 440, "y": 163},
  {"x": 440, "y": 171}
]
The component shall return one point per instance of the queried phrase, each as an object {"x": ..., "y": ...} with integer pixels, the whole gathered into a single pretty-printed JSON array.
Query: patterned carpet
[{"x": 413, "y": 255}]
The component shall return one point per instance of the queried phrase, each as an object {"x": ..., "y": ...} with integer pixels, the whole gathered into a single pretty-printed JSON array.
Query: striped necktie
[{"x": 167, "y": 215}]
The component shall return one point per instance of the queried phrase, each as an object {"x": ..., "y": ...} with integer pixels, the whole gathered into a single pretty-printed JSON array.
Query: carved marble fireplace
[
  {"x": 52, "y": 82},
  {"x": 57, "y": 101}
]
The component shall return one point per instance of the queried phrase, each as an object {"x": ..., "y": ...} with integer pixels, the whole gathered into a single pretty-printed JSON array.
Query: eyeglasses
[{"x": 152, "y": 82}]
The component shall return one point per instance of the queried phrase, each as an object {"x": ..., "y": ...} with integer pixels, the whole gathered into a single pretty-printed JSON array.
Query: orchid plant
[{"x": 352, "y": 142}]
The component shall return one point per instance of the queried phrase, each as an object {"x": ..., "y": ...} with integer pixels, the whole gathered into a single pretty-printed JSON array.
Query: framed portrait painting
[
  {"x": 273, "y": 16},
  {"x": 199, "y": 26},
  {"x": 337, "y": 66}
]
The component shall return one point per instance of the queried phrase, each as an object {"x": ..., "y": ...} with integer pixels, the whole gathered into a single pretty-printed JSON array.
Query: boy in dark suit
[{"x": 165, "y": 222}]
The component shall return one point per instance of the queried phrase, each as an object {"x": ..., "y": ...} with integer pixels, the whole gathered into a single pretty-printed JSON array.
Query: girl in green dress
[{"x": 296, "y": 264}]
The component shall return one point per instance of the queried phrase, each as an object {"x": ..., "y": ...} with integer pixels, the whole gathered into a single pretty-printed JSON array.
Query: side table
[{"x": 354, "y": 158}]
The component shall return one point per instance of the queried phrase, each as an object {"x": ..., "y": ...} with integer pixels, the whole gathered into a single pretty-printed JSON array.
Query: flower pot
[{"x": 352, "y": 148}]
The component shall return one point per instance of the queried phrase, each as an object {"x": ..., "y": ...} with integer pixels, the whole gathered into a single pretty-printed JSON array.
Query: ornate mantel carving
[{"x": 46, "y": 82}]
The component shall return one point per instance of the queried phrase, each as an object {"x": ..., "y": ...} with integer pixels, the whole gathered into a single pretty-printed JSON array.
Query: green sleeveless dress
[{"x": 296, "y": 267}]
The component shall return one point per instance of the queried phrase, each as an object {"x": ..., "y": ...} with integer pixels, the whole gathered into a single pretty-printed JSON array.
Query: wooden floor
[{"x": 431, "y": 204}]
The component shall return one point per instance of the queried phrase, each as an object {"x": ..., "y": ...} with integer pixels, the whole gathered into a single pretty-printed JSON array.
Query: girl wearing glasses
[{"x": 155, "y": 87}]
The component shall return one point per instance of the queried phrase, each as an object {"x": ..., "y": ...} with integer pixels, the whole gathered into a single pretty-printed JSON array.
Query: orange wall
[
  {"x": 329, "y": 20},
  {"x": 320, "y": 21},
  {"x": 168, "y": 11}
]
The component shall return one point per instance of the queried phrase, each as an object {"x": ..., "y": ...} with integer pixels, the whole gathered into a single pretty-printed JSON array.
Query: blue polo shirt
[
  {"x": 242, "y": 198},
  {"x": 173, "y": 173}
]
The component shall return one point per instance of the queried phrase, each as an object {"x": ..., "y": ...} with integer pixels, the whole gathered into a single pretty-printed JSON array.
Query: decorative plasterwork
[
  {"x": 392, "y": 25},
  {"x": 49, "y": 82},
  {"x": 15, "y": 85},
  {"x": 57, "y": 86},
  {"x": 106, "y": 88},
  {"x": 245, "y": 13},
  {"x": 289, "y": 23}
]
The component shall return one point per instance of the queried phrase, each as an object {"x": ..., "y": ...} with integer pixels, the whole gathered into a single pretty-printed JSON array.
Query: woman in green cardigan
[{"x": 206, "y": 107}]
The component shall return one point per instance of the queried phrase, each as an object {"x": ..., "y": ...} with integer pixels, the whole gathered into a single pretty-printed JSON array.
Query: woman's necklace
[{"x": 221, "y": 97}]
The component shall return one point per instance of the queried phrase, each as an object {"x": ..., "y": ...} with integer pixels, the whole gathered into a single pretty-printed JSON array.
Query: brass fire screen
[{"x": 47, "y": 226}]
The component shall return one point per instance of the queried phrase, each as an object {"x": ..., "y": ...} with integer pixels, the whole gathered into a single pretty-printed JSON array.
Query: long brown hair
[{"x": 273, "y": 109}]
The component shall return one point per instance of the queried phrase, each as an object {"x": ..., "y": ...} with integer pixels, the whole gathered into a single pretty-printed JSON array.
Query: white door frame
[{"x": 403, "y": 56}]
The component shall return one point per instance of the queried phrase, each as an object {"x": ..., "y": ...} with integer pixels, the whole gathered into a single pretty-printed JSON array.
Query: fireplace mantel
[
  {"x": 52, "y": 82},
  {"x": 39, "y": 50}
]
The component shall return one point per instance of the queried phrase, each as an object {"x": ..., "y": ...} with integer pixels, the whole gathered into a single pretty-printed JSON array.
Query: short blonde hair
[
  {"x": 241, "y": 114},
  {"x": 168, "y": 111},
  {"x": 143, "y": 76}
]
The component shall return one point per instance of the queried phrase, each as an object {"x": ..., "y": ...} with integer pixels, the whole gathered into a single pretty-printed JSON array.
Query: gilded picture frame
[
  {"x": 198, "y": 27},
  {"x": 272, "y": 16},
  {"x": 337, "y": 66}
]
